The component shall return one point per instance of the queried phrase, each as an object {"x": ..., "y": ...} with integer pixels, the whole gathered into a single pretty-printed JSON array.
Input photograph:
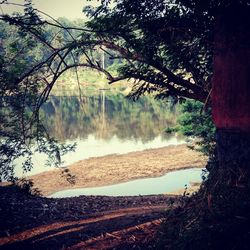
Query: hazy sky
[{"x": 71, "y": 9}]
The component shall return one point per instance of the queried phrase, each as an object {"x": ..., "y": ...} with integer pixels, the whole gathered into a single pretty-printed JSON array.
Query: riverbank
[
  {"x": 93, "y": 222},
  {"x": 113, "y": 169},
  {"x": 85, "y": 222}
]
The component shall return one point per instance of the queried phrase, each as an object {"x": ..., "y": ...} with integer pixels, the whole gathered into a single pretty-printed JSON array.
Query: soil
[
  {"x": 92, "y": 222},
  {"x": 85, "y": 222},
  {"x": 113, "y": 169}
]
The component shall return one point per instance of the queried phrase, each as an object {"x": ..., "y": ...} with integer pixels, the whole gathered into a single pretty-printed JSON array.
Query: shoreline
[
  {"x": 92, "y": 221},
  {"x": 118, "y": 168}
]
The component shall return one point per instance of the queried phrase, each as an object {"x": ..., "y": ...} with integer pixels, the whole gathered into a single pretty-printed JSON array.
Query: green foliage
[
  {"x": 163, "y": 43},
  {"x": 35, "y": 53},
  {"x": 21, "y": 130},
  {"x": 165, "y": 47},
  {"x": 196, "y": 123}
]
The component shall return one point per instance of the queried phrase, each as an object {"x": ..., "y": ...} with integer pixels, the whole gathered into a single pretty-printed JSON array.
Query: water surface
[
  {"x": 170, "y": 182},
  {"x": 105, "y": 123}
]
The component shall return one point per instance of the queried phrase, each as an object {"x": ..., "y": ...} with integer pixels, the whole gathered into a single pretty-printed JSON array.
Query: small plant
[
  {"x": 196, "y": 124},
  {"x": 27, "y": 186},
  {"x": 71, "y": 179}
]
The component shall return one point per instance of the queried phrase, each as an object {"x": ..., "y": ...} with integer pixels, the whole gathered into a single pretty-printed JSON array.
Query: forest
[{"x": 134, "y": 90}]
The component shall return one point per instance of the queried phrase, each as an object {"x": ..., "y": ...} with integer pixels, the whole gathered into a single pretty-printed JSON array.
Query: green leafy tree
[{"x": 21, "y": 96}]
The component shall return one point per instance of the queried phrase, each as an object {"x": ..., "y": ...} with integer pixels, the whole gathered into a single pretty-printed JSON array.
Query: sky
[{"x": 72, "y": 9}]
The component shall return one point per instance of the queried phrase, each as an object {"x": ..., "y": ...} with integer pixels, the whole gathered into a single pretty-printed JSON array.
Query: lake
[{"x": 104, "y": 123}]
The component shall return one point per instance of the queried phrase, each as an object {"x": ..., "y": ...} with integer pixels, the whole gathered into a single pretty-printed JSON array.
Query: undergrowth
[{"x": 218, "y": 215}]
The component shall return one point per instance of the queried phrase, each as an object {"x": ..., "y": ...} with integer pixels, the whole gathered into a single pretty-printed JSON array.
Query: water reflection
[{"x": 107, "y": 115}]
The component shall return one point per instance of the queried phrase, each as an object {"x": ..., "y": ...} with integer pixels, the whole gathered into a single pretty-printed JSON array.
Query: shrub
[{"x": 196, "y": 124}]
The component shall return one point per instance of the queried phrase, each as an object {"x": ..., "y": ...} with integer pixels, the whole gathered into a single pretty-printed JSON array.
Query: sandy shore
[{"x": 112, "y": 169}]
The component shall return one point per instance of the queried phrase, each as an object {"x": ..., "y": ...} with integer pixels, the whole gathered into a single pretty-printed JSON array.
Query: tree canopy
[{"x": 166, "y": 46}]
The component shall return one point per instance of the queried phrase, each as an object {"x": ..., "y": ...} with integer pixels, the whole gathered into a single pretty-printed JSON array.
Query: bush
[{"x": 196, "y": 123}]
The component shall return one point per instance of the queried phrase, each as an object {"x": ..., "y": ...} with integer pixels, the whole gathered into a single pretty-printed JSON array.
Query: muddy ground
[
  {"x": 112, "y": 169},
  {"x": 85, "y": 222}
]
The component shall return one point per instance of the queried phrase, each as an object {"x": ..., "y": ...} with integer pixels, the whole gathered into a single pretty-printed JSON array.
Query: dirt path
[
  {"x": 94, "y": 222},
  {"x": 116, "y": 226},
  {"x": 112, "y": 169},
  {"x": 136, "y": 237}
]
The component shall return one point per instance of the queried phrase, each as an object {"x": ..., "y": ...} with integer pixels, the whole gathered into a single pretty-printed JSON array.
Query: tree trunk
[{"x": 231, "y": 91}]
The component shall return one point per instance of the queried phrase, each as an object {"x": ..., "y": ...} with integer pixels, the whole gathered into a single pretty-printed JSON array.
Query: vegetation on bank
[
  {"x": 87, "y": 81},
  {"x": 195, "y": 122}
]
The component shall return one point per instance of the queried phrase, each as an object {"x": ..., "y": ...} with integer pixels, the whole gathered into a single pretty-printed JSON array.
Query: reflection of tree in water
[
  {"x": 106, "y": 115},
  {"x": 58, "y": 119},
  {"x": 100, "y": 122}
]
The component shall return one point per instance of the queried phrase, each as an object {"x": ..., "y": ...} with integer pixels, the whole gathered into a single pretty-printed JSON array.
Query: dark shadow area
[{"x": 33, "y": 222}]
